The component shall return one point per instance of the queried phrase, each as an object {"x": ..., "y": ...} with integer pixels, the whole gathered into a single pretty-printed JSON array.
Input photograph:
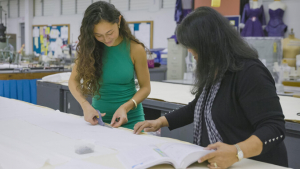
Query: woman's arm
[
  {"x": 178, "y": 118},
  {"x": 73, "y": 86},
  {"x": 256, "y": 94},
  {"x": 142, "y": 73},
  {"x": 89, "y": 112},
  {"x": 139, "y": 59}
]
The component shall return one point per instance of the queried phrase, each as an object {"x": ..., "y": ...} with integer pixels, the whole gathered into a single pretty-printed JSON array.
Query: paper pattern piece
[
  {"x": 41, "y": 31},
  {"x": 42, "y": 48},
  {"x": 53, "y": 137},
  {"x": 52, "y": 46},
  {"x": 143, "y": 34},
  {"x": 36, "y": 32},
  {"x": 64, "y": 32},
  {"x": 36, "y": 42},
  {"x": 54, "y": 33},
  {"x": 80, "y": 164},
  {"x": 41, "y": 39},
  {"x": 33, "y": 135},
  {"x": 47, "y": 31},
  {"x": 131, "y": 27},
  {"x": 46, "y": 48},
  {"x": 32, "y": 145}
]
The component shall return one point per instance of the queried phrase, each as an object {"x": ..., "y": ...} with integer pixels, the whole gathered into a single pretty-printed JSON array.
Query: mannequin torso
[
  {"x": 291, "y": 47},
  {"x": 277, "y": 5},
  {"x": 276, "y": 26}
]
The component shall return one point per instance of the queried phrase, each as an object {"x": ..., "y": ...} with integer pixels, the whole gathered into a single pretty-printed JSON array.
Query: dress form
[
  {"x": 291, "y": 48},
  {"x": 276, "y": 26},
  {"x": 253, "y": 5},
  {"x": 253, "y": 20}
]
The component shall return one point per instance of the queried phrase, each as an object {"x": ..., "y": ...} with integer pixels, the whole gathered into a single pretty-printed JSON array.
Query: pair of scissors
[{"x": 100, "y": 121}]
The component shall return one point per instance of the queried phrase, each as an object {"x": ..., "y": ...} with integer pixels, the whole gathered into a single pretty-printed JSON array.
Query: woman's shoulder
[
  {"x": 254, "y": 70},
  {"x": 136, "y": 48},
  {"x": 251, "y": 65},
  {"x": 246, "y": 65}
]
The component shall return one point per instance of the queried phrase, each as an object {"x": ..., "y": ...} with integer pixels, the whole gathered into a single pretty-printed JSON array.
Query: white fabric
[
  {"x": 181, "y": 94},
  {"x": 57, "y": 78},
  {"x": 38, "y": 137}
]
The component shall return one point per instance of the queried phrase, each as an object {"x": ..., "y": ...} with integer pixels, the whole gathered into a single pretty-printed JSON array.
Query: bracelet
[{"x": 134, "y": 104}]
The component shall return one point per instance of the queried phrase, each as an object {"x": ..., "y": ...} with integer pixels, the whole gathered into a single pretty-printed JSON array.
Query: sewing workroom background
[{"x": 187, "y": 73}]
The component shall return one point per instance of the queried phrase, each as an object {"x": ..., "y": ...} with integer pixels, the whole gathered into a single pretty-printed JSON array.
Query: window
[
  {"x": 38, "y": 8},
  {"x": 48, "y": 7},
  {"x": 21, "y": 8},
  {"x": 4, "y": 5},
  {"x": 121, "y": 5},
  {"x": 139, "y": 4},
  {"x": 13, "y": 9},
  {"x": 82, "y": 5},
  {"x": 168, "y": 3},
  {"x": 68, "y": 7},
  {"x": 100, "y": 0},
  {"x": 43, "y": 7}
]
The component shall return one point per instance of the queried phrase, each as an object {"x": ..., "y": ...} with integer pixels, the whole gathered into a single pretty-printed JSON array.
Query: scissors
[{"x": 100, "y": 121}]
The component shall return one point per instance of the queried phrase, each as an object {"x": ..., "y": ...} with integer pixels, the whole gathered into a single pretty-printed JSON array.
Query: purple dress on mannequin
[
  {"x": 253, "y": 20},
  {"x": 276, "y": 27}
]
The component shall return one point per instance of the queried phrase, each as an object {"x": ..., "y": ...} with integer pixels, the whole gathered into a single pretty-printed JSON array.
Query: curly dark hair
[{"x": 90, "y": 50}]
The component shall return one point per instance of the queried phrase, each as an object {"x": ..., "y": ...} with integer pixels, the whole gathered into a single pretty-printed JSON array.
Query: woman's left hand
[
  {"x": 119, "y": 118},
  {"x": 223, "y": 157}
]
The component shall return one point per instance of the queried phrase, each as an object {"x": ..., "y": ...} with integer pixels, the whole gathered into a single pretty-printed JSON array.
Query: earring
[{"x": 119, "y": 26}]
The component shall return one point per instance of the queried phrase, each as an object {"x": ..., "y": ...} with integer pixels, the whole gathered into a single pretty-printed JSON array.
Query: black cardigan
[{"x": 246, "y": 104}]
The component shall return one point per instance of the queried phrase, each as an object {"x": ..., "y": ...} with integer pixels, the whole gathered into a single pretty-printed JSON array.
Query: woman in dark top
[{"x": 236, "y": 109}]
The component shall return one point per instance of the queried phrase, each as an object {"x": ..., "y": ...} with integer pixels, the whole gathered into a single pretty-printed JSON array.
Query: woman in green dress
[{"x": 108, "y": 57}]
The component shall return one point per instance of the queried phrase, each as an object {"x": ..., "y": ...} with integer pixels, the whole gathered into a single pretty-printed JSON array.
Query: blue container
[
  {"x": 157, "y": 51},
  {"x": 163, "y": 61}
]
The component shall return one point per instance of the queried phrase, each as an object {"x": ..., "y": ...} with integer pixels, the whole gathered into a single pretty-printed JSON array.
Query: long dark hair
[
  {"x": 90, "y": 50},
  {"x": 217, "y": 43}
]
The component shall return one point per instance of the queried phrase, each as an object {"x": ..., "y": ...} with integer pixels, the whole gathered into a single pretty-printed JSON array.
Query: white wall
[
  {"x": 163, "y": 23},
  {"x": 13, "y": 27}
]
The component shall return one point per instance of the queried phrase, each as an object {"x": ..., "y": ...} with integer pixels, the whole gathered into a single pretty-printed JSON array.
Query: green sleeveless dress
[{"x": 117, "y": 85}]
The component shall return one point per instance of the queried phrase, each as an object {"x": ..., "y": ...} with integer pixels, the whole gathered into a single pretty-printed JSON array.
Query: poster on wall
[
  {"x": 142, "y": 31},
  {"x": 47, "y": 40}
]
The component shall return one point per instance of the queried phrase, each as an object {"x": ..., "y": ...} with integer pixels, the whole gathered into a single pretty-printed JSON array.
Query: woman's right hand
[
  {"x": 149, "y": 125},
  {"x": 90, "y": 114}
]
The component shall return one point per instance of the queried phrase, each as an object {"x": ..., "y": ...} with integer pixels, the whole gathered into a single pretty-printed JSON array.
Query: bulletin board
[
  {"x": 47, "y": 38},
  {"x": 143, "y": 31}
]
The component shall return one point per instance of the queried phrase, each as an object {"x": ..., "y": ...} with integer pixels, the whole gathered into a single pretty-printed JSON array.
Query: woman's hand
[
  {"x": 120, "y": 117},
  {"x": 223, "y": 157},
  {"x": 90, "y": 114},
  {"x": 150, "y": 125}
]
